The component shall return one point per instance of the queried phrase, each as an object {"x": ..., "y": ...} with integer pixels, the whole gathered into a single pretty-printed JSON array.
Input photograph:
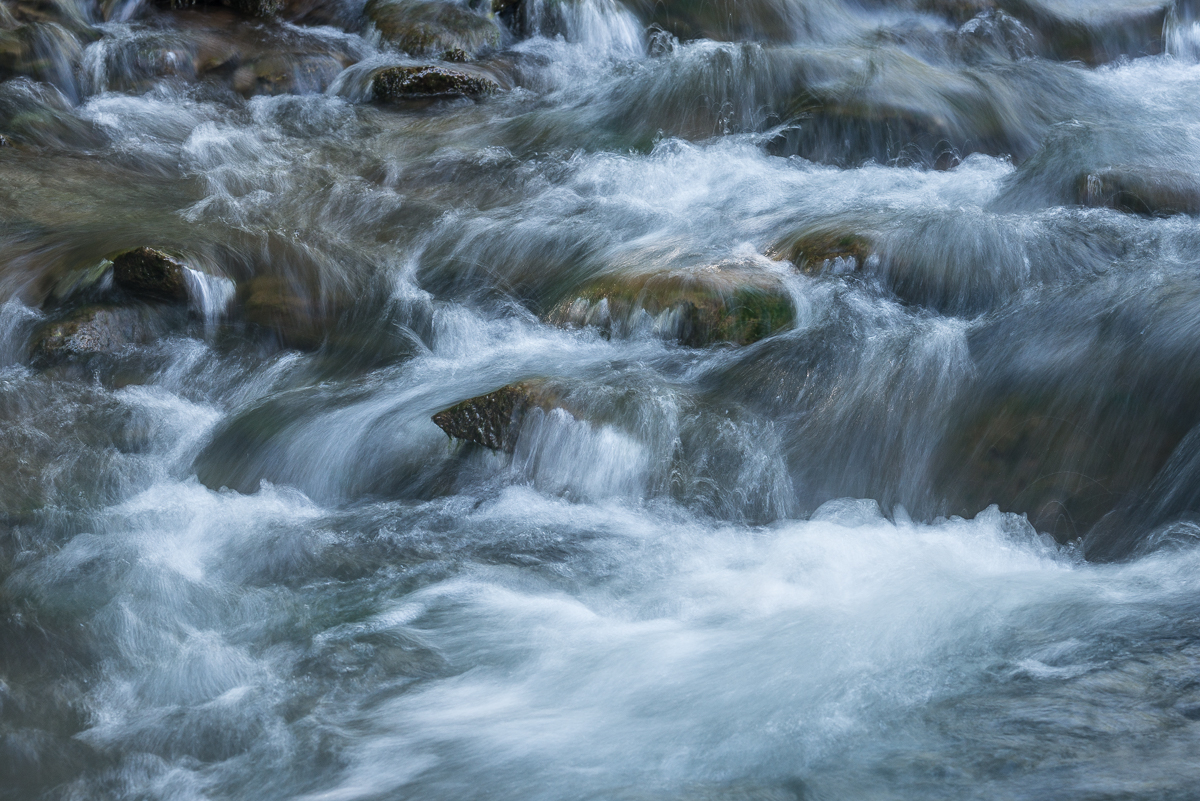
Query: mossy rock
[
  {"x": 263, "y": 9},
  {"x": 814, "y": 251},
  {"x": 151, "y": 274},
  {"x": 426, "y": 81},
  {"x": 1140, "y": 191},
  {"x": 430, "y": 27},
  {"x": 697, "y": 307}
]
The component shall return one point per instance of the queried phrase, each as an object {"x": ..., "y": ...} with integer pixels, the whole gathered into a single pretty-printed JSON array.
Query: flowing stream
[{"x": 855, "y": 448}]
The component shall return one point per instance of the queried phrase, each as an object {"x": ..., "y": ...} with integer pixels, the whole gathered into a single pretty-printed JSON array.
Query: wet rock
[
  {"x": 286, "y": 73},
  {"x": 727, "y": 20},
  {"x": 956, "y": 11},
  {"x": 151, "y": 274},
  {"x": 493, "y": 420},
  {"x": 44, "y": 51},
  {"x": 813, "y": 251},
  {"x": 1141, "y": 191},
  {"x": 738, "y": 304},
  {"x": 249, "y": 8},
  {"x": 4, "y": 141},
  {"x": 89, "y": 331},
  {"x": 1093, "y": 31},
  {"x": 401, "y": 83},
  {"x": 432, "y": 27},
  {"x": 294, "y": 316}
]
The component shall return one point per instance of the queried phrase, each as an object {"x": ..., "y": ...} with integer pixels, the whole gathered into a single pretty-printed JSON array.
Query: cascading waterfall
[{"x": 599, "y": 399}]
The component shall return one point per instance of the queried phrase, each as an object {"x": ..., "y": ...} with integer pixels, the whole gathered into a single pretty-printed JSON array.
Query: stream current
[{"x": 238, "y": 560}]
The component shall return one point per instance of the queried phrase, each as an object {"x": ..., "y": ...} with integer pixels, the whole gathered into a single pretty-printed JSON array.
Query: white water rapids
[{"x": 238, "y": 560}]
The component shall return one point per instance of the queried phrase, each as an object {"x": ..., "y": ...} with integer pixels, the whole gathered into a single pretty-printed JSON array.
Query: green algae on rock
[{"x": 697, "y": 307}]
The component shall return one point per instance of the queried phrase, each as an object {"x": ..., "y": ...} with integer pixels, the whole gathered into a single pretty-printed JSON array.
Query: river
[{"x": 822, "y": 377}]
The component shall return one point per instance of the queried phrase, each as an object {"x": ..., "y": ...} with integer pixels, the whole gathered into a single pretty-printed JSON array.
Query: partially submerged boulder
[
  {"x": 287, "y": 73},
  {"x": 151, "y": 274},
  {"x": 1094, "y": 31},
  {"x": 1141, "y": 191},
  {"x": 816, "y": 250},
  {"x": 296, "y": 317},
  {"x": 737, "y": 304},
  {"x": 433, "y": 27},
  {"x": 429, "y": 81},
  {"x": 88, "y": 331},
  {"x": 494, "y": 420}
]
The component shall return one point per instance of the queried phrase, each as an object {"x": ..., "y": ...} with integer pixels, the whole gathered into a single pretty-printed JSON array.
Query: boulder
[
  {"x": 494, "y": 420},
  {"x": 1094, "y": 31},
  {"x": 816, "y": 250},
  {"x": 298, "y": 319},
  {"x": 88, "y": 331},
  {"x": 151, "y": 274},
  {"x": 1140, "y": 191},
  {"x": 249, "y": 8},
  {"x": 428, "y": 81},
  {"x": 433, "y": 27},
  {"x": 726, "y": 20},
  {"x": 286, "y": 73},
  {"x": 733, "y": 303}
]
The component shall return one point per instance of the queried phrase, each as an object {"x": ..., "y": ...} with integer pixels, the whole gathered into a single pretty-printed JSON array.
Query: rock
[
  {"x": 1141, "y": 191},
  {"x": 432, "y": 27},
  {"x": 89, "y": 331},
  {"x": 956, "y": 11},
  {"x": 738, "y": 304},
  {"x": 298, "y": 320},
  {"x": 726, "y": 20},
  {"x": 4, "y": 141},
  {"x": 814, "y": 251},
  {"x": 46, "y": 51},
  {"x": 151, "y": 274},
  {"x": 401, "y": 83},
  {"x": 493, "y": 420},
  {"x": 249, "y": 8},
  {"x": 1094, "y": 31},
  {"x": 286, "y": 73}
]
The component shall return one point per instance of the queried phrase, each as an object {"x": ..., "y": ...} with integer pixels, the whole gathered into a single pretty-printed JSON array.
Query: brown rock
[
  {"x": 401, "y": 83},
  {"x": 1140, "y": 191},
  {"x": 150, "y": 273},
  {"x": 88, "y": 331},
  {"x": 734, "y": 303},
  {"x": 494, "y": 420}
]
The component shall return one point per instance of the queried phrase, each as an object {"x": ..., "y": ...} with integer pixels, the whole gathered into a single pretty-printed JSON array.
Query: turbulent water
[{"x": 933, "y": 537}]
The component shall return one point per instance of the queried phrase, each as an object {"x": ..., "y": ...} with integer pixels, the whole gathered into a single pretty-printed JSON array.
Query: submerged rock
[
  {"x": 289, "y": 311},
  {"x": 401, "y": 83},
  {"x": 433, "y": 27},
  {"x": 287, "y": 73},
  {"x": 697, "y": 307},
  {"x": 152, "y": 274},
  {"x": 1141, "y": 191}
]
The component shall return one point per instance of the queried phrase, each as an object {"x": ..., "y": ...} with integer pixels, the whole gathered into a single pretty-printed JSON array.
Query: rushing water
[{"x": 936, "y": 537}]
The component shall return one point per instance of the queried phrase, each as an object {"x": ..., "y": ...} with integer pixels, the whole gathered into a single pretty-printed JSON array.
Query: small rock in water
[
  {"x": 493, "y": 420},
  {"x": 697, "y": 307},
  {"x": 814, "y": 251},
  {"x": 399, "y": 83},
  {"x": 1150, "y": 192},
  {"x": 150, "y": 273},
  {"x": 88, "y": 331}
]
